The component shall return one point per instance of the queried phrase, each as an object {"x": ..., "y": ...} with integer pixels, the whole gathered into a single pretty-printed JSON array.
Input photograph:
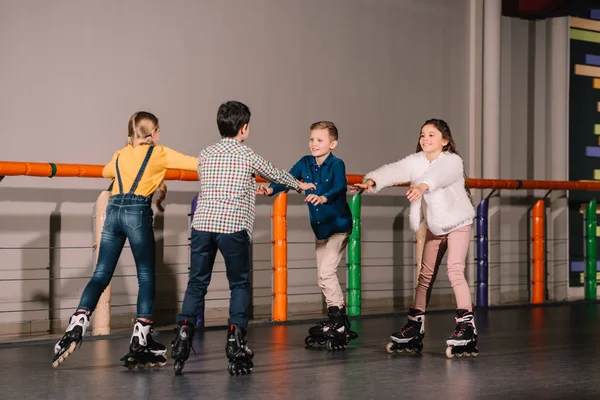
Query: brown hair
[
  {"x": 444, "y": 129},
  {"x": 330, "y": 126},
  {"x": 141, "y": 126}
]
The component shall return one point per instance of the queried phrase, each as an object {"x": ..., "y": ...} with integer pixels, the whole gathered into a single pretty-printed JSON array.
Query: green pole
[
  {"x": 590, "y": 251},
  {"x": 354, "y": 259}
]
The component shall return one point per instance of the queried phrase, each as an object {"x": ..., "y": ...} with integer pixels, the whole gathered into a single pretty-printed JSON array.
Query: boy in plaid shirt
[{"x": 223, "y": 220}]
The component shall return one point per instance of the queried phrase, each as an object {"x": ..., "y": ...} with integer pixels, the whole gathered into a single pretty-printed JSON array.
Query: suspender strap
[{"x": 138, "y": 178}]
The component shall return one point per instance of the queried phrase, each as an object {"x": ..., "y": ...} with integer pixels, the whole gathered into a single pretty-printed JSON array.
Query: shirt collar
[{"x": 327, "y": 161}]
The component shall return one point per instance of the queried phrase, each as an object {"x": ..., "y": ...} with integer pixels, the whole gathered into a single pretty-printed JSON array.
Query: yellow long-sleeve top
[{"x": 130, "y": 161}]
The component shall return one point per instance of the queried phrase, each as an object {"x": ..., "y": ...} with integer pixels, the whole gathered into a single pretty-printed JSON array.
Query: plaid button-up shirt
[{"x": 227, "y": 195}]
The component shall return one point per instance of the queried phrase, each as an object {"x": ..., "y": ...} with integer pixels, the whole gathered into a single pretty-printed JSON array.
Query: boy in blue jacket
[{"x": 331, "y": 221}]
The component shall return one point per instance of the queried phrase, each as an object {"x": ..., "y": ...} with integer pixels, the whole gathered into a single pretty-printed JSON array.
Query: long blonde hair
[{"x": 142, "y": 125}]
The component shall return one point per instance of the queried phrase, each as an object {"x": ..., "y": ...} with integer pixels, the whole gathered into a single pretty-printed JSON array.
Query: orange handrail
[
  {"x": 16, "y": 168},
  {"x": 279, "y": 311},
  {"x": 538, "y": 270}
]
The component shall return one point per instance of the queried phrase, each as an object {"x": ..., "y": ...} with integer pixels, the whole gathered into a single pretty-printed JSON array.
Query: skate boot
[
  {"x": 333, "y": 332},
  {"x": 144, "y": 351},
  {"x": 73, "y": 336},
  {"x": 463, "y": 342},
  {"x": 181, "y": 345},
  {"x": 409, "y": 339},
  {"x": 239, "y": 354}
]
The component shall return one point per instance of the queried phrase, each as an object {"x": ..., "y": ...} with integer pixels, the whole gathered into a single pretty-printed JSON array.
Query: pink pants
[{"x": 457, "y": 244}]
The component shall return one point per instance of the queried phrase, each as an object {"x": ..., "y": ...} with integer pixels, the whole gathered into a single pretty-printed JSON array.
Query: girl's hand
[
  {"x": 415, "y": 193},
  {"x": 316, "y": 200},
  {"x": 367, "y": 185}
]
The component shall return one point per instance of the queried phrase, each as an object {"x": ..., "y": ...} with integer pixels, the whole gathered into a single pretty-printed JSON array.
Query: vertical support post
[
  {"x": 354, "y": 258},
  {"x": 279, "y": 311},
  {"x": 538, "y": 242},
  {"x": 102, "y": 314},
  {"x": 590, "y": 251},
  {"x": 194, "y": 205},
  {"x": 482, "y": 253},
  {"x": 420, "y": 236}
]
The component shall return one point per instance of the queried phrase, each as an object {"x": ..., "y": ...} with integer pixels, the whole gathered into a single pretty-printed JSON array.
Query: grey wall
[{"x": 73, "y": 72}]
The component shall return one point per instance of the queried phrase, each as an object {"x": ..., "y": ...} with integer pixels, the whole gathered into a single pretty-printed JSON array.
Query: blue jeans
[
  {"x": 128, "y": 216},
  {"x": 235, "y": 248}
]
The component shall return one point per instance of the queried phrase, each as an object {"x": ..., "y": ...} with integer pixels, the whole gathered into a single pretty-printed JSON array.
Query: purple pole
[
  {"x": 482, "y": 253},
  {"x": 200, "y": 320}
]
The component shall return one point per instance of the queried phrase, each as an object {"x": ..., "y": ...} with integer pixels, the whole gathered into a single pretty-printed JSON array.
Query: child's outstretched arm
[
  {"x": 265, "y": 169},
  {"x": 443, "y": 172},
  {"x": 176, "y": 160},
  {"x": 275, "y": 188},
  {"x": 386, "y": 175}
]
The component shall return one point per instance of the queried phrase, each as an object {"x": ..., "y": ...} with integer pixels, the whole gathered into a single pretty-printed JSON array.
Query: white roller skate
[{"x": 73, "y": 336}]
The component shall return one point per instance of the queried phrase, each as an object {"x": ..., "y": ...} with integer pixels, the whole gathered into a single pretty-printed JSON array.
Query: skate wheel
[
  {"x": 330, "y": 346},
  {"x": 309, "y": 341},
  {"x": 178, "y": 367},
  {"x": 459, "y": 355},
  {"x": 231, "y": 369},
  {"x": 390, "y": 348},
  {"x": 449, "y": 352}
]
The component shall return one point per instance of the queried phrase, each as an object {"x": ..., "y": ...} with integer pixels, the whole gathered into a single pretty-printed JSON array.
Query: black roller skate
[
  {"x": 73, "y": 336},
  {"x": 463, "y": 342},
  {"x": 181, "y": 345},
  {"x": 239, "y": 354},
  {"x": 334, "y": 332},
  {"x": 144, "y": 351},
  {"x": 409, "y": 339}
]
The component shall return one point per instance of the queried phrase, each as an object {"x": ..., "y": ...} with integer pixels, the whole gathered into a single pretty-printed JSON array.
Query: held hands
[
  {"x": 415, "y": 193},
  {"x": 367, "y": 185},
  {"x": 316, "y": 200},
  {"x": 264, "y": 190}
]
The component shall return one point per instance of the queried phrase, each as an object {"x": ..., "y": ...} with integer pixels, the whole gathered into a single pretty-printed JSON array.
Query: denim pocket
[{"x": 133, "y": 218}]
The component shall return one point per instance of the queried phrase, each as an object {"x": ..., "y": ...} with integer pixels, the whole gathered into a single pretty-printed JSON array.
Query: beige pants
[
  {"x": 329, "y": 254},
  {"x": 456, "y": 243}
]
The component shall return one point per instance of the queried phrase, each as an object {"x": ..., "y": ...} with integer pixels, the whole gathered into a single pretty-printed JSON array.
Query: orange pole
[
  {"x": 279, "y": 312},
  {"x": 15, "y": 168},
  {"x": 539, "y": 268}
]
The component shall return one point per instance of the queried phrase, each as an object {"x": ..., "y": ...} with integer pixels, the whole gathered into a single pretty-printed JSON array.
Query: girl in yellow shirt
[{"x": 138, "y": 169}]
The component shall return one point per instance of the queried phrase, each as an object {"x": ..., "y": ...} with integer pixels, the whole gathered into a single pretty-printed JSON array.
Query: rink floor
[{"x": 550, "y": 352}]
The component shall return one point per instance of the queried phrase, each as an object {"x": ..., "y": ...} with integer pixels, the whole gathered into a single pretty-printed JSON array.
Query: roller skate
[
  {"x": 239, "y": 354},
  {"x": 73, "y": 336},
  {"x": 144, "y": 351},
  {"x": 463, "y": 342},
  {"x": 334, "y": 332},
  {"x": 409, "y": 339},
  {"x": 181, "y": 345}
]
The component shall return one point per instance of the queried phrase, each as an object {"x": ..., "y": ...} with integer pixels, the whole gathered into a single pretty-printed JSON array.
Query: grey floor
[{"x": 538, "y": 353}]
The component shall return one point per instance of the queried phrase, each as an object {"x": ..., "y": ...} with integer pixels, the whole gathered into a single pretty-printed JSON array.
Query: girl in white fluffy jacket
[{"x": 439, "y": 194}]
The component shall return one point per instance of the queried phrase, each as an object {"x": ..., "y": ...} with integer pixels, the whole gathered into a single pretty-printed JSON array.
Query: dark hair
[
  {"x": 330, "y": 126},
  {"x": 231, "y": 117},
  {"x": 444, "y": 129}
]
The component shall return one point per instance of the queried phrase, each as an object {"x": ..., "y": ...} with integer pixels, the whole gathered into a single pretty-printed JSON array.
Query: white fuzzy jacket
[{"x": 447, "y": 204}]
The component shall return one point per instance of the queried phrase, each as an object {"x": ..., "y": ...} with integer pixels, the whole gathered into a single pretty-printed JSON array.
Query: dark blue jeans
[
  {"x": 235, "y": 248},
  {"x": 128, "y": 216}
]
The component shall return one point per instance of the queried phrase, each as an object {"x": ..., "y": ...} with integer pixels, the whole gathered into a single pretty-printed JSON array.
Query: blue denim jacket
[{"x": 330, "y": 180}]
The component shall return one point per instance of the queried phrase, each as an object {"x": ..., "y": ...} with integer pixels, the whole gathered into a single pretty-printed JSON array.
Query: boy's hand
[
  {"x": 367, "y": 185},
  {"x": 313, "y": 198},
  {"x": 264, "y": 190},
  {"x": 307, "y": 186}
]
